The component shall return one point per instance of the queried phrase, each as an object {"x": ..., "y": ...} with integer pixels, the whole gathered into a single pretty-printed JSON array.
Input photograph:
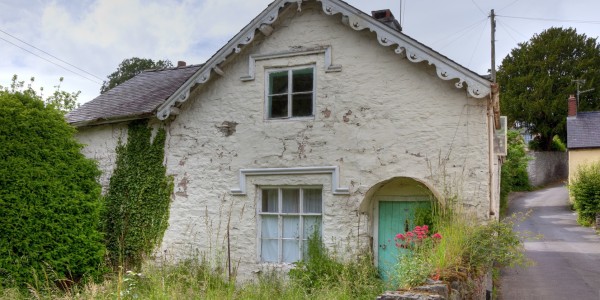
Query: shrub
[
  {"x": 585, "y": 189},
  {"x": 49, "y": 197},
  {"x": 514, "y": 175}
]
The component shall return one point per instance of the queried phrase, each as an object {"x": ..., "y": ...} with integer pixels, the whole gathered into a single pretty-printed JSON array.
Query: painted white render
[{"x": 377, "y": 118}]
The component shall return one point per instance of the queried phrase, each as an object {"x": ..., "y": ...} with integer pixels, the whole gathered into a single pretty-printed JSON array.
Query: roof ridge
[{"x": 172, "y": 68}]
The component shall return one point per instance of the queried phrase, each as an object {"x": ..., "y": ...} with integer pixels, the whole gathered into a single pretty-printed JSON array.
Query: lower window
[{"x": 288, "y": 217}]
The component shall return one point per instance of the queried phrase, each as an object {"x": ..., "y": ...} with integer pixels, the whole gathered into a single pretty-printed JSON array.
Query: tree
[
  {"x": 130, "y": 67},
  {"x": 60, "y": 100},
  {"x": 537, "y": 77},
  {"x": 49, "y": 198}
]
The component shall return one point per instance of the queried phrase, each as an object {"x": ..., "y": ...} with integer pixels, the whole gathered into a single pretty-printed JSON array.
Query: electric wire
[
  {"x": 501, "y": 25},
  {"x": 477, "y": 45},
  {"x": 510, "y": 4},
  {"x": 41, "y": 57},
  {"x": 464, "y": 32},
  {"x": 514, "y": 30},
  {"x": 550, "y": 20},
  {"x": 478, "y": 7},
  {"x": 34, "y": 47}
]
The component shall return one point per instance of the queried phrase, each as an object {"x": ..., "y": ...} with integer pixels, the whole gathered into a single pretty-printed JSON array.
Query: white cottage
[{"x": 314, "y": 116}]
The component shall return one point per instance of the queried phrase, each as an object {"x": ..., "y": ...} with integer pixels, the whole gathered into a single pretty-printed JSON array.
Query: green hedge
[
  {"x": 585, "y": 189},
  {"x": 514, "y": 175},
  {"x": 49, "y": 198}
]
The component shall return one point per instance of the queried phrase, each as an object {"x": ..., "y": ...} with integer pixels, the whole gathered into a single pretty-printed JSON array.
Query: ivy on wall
[{"x": 137, "y": 203}]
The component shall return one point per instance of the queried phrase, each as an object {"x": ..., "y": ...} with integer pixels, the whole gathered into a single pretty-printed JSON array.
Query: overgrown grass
[{"x": 326, "y": 276}]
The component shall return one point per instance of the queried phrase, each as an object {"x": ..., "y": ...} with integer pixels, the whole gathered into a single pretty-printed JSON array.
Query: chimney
[
  {"x": 181, "y": 64},
  {"x": 572, "y": 106},
  {"x": 386, "y": 17}
]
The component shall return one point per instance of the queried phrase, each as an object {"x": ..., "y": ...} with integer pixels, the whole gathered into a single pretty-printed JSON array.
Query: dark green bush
[
  {"x": 514, "y": 175},
  {"x": 49, "y": 197},
  {"x": 137, "y": 203},
  {"x": 585, "y": 189}
]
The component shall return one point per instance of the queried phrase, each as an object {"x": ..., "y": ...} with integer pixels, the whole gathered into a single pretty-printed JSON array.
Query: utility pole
[{"x": 493, "y": 26}]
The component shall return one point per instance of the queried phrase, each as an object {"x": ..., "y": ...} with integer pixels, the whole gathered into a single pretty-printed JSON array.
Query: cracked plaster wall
[{"x": 380, "y": 117}]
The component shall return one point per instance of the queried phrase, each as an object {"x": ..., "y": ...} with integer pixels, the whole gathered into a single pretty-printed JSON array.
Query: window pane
[
  {"x": 302, "y": 105},
  {"x": 291, "y": 251},
  {"x": 291, "y": 228},
  {"x": 312, "y": 225},
  {"x": 312, "y": 201},
  {"x": 278, "y": 106},
  {"x": 269, "y": 227},
  {"x": 291, "y": 201},
  {"x": 303, "y": 80},
  {"x": 278, "y": 83},
  {"x": 269, "y": 251},
  {"x": 269, "y": 200}
]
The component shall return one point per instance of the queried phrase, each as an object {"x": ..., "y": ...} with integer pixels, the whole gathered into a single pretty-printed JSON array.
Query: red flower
[
  {"x": 400, "y": 236},
  {"x": 437, "y": 236}
]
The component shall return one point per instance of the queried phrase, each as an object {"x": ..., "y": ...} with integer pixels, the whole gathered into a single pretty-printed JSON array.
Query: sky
[{"x": 83, "y": 41}]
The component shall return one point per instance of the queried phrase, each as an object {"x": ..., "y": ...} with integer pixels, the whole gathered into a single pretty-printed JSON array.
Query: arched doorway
[{"x": 397, "y": 206}]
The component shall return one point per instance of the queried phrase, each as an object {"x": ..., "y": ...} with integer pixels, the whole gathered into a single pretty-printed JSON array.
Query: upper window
[
  {"x": 288, "y": 217},
  {"x": 290, "y": 93}
]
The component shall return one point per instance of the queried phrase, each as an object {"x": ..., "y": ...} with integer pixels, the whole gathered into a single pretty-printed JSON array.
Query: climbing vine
[{"x": 137, "y": 203}]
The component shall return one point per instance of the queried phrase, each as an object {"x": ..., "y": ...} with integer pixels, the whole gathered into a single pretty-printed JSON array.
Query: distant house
[
  {"x": 315, "y": 116},
  {"x": 583, "y": 137}
]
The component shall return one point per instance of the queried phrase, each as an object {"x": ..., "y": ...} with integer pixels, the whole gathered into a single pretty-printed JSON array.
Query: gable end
[{"x": 446, "y": 69}]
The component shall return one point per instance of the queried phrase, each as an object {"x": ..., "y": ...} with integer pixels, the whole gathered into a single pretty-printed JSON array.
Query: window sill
[{"x": 290, "y": 119}]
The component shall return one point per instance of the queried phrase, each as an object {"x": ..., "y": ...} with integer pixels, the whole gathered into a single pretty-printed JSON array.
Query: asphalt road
[{"x": 567, "y": 258}]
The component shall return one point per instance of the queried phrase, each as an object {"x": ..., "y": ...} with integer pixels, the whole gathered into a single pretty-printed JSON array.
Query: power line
[
  {"x": 466, "y": 30},
  {"x": 1, "y": 38},
  {"x": 510, "y": 4},
  {"x": 481, "y": 10},
  {"x": 514, "y": 30},
  {"x": 507, "y": 32},
  {"x": 550, "y": 20},
  {"x": 34, "y": 47},
  {"x": 476, "y": 46}
]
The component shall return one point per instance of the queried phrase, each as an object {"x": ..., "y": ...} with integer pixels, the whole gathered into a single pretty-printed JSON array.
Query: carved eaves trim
[
  {"x": 446, "y": 69},
  {"x": 244, "y": 37}
]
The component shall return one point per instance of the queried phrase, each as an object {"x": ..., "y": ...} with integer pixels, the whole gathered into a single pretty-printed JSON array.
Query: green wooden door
[{"x": 394, "y": 217}]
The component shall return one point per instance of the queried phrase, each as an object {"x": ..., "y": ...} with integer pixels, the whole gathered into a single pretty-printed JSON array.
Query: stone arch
[{"x": 402, "y": 195}]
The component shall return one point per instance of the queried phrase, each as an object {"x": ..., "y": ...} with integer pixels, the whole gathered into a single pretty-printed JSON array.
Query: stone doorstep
[{"x": 435, "y": 290}]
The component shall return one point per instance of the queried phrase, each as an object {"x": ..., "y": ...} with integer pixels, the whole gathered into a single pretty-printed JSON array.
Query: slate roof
[
  {"x": 583, "y": 130},
  {"x": 136, "y": 98}
]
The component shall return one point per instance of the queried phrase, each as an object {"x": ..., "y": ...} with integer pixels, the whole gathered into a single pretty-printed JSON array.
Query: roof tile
[
  {"x": 583, "y": 130},
  {"x": 137, "y": 97}
]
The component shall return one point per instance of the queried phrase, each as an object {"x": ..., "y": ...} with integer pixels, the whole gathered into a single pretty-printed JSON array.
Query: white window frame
[
  {"x": 301, "y": 214},
  {"x": 290, "y": 93}
]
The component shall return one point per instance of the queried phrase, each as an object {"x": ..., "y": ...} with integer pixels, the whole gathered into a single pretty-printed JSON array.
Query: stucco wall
[
  {"x": 547, "y": 167},
  {"x": 100, "y": 144},
  {"x": 578, "y": 157},
  {"x": 380, "y": 117}
]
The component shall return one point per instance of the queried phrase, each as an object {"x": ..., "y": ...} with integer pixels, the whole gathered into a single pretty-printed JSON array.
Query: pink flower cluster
[{"x": 415, "y": 237}]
